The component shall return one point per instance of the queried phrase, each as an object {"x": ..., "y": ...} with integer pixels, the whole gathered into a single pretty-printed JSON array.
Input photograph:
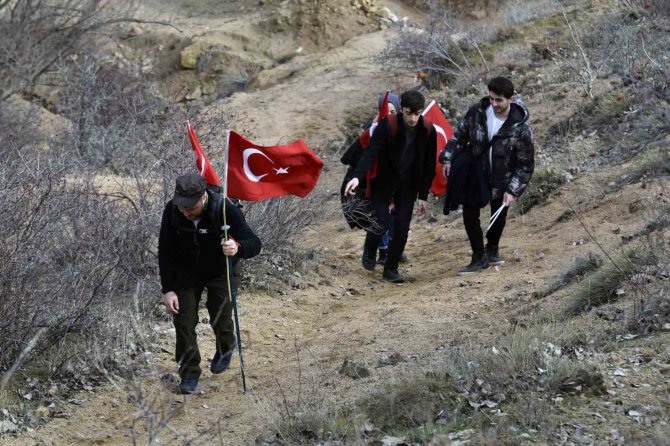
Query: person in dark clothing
[
  {"x": 495, "y": 132},
  {"x": 405, "y": 171},
  {"x": 192, "y": 256}
]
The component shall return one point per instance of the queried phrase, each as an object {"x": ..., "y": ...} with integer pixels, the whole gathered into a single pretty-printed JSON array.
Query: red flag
[
  {"x": 364, "y": 139},
  {"x": 256, "y": 172},
  {"x": 444, "y": 133},
  {"x": 201, "y": 162}
]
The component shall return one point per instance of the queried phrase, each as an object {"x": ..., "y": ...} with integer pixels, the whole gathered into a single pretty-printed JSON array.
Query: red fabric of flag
[
  {"x": 364, "y": 139},
  {"x": 257, "y": 172},
  {"x": 201, "y": 162},
  {"x": 444, "y": 133}
]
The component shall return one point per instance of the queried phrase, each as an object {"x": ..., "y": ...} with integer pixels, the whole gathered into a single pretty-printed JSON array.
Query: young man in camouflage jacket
[{"x": 497, "y": 132}]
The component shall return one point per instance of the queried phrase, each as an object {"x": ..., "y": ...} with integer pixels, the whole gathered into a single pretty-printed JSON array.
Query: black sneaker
[
  {"x": 221, "y": 361},
  {"x": 368, "y": 261},
  {"x": 478, "y": 263},
  {"x": 187, "y": 386},
  {"x": 382, "y": 256},
  {"x": 494, "y": 256},
  {"x": 393, "y": 276}
]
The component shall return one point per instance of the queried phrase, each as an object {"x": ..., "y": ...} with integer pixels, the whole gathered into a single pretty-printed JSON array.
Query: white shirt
[{"x": 493, "y": 123}]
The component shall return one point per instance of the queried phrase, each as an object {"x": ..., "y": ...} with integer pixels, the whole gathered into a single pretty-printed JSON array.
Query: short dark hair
[
  {"x": 502, "y": 86},
  {"x": 413, "y": 100}
]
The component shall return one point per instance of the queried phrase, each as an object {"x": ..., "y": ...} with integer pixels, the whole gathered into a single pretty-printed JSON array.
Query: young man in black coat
[
  {"x": 192, "y": 256},
  {"x": 496, "y": 133},
  {"x": 405, "y": 170}
]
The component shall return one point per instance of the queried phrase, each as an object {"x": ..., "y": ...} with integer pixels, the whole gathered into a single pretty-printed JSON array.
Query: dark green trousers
[{"x": 220, "y": 309}]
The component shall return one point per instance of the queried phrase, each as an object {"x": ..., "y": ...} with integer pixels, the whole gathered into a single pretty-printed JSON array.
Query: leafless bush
[
  {"x": 117, "y": 121},
  {"x": 652, "y": 310},
  {"x": 622, "y": 43},
  {"x": 39, "y": 33},
  {"x": 68, "y": 252},
  {"x": 440, "y": 49},
  {"x": 516, "y": 12}
]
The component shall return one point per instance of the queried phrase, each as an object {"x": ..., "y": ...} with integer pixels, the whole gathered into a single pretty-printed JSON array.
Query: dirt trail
[
  {"x": 297, "y": 341},
  {"x": 348, "y": 312}
]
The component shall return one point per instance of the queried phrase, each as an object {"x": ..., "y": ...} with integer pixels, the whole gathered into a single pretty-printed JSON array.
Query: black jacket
[
  {"x": 513, "y": 148},
  {"x": 185, "y": 254},
  {"x": 467, "y": 184},
  {"x": 385, "y": 150}
]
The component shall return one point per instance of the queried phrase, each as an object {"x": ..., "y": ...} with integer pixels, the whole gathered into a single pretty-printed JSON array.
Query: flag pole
[
  {"x": 232, "y": 292},
  {"x": 225, "y": 166}
]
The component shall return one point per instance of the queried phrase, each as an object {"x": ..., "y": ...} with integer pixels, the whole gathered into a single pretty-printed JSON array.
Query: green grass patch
[
  {"x": 580, "y": 268},
  {"x": 601, "y": 287}
]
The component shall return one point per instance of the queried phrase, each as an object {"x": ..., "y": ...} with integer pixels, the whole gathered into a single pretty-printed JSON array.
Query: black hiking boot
[
  {"x": 393, "y": 276},
  {"x": 478, "y": 263},
  {"x": 494, "y": 256},
  {"x": 221, "y": 361},
  {"x": 368, "y": 261},
  {"x": 187, "y": 386}
]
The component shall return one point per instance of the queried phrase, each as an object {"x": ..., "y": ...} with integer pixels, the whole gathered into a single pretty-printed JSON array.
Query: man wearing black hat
[{"x": 192, "y": 255}]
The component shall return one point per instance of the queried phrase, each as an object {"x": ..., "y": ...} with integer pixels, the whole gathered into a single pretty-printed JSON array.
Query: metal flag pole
[{"x": 232, "y": 294}]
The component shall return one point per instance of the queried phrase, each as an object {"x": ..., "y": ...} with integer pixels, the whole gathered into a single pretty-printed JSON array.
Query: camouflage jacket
[{"x": 513, "y": 150}]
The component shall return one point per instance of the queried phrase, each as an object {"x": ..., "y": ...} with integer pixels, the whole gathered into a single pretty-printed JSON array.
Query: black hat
[{"x": 189, "y": 190}]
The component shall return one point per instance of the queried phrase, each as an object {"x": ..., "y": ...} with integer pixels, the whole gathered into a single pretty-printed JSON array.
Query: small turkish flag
[
  {"x": 364, "y": 139},
  {"x": 256, "y": 172},
  {"x": 444, "y": 133},
  {"x": 201, "y": 162}
]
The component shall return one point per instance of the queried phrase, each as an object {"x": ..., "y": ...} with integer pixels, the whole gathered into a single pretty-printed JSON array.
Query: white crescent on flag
[
  {"x": 440, "y": 130},
  {"x": 247, "y": 170}
]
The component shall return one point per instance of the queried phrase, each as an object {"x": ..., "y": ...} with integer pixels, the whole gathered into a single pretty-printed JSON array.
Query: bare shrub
[
  {"x": 303, "y": 414},
  {"x": 117, "y": 121},
  {"x": 517, "y": 12},
  {"x": 39, "y": 33},
  {"x": 442, "y": 48},
  {"x": 652, "y": 310},
  {"x": 65, "y": 263},
  {"x": 622, "y": 43}
]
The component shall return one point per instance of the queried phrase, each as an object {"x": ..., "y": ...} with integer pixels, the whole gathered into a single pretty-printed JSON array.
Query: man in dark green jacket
[
  {"x": 192, "y": 255},
  {"x": 496, "y": 133}
]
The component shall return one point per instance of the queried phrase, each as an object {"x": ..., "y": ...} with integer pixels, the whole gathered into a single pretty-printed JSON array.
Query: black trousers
[
  {"x": 474, "y": 229},
  {"x": 403, "y": 200},
  {"x": 220, "y": 309}
]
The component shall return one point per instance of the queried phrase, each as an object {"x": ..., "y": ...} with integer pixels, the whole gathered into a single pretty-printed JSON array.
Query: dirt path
[{"x": 297, "y": 341}]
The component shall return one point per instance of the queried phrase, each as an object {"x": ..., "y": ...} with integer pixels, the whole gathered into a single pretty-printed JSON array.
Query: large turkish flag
[{"x": 257, "y": 172}]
